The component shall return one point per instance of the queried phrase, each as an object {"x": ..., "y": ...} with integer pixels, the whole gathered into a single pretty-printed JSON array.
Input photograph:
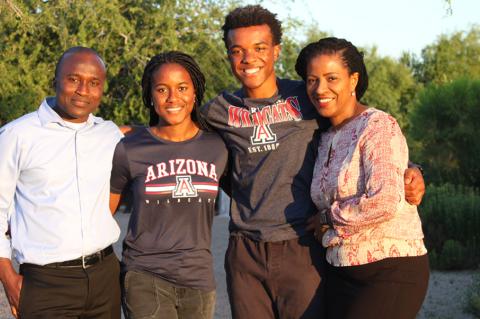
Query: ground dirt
[{"x": 446, "y": 297}]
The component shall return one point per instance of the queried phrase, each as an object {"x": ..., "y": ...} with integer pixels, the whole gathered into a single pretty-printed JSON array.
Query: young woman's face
[
  {"x": 173, "y": 94},
  {"x": 330, "y": 86}
]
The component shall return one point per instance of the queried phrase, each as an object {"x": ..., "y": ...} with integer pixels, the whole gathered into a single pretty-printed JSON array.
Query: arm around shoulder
[
  {"x": 114, "y": 202},
  {"x": 414, "y": 184}
]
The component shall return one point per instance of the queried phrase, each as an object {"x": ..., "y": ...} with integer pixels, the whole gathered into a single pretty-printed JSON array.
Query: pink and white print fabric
[{"x": 358, "y": 182}]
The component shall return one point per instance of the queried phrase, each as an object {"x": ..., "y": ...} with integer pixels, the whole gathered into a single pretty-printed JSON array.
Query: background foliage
[
  {"x": 435, "y": 96},
  {"x": 451, "y": 218},
  {"x": 446, "y": 127},
  {"x": 125, "y": 33}
]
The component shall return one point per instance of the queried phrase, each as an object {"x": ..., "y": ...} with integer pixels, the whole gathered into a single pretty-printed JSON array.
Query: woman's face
[
  {"x": 173, "y": 94},
  {"x": 330, "y": 87}
]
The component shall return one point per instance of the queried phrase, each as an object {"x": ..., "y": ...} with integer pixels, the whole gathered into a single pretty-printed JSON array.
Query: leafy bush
[
  {"x": 451, "y": 223},
  {"x": 443, "y": 132},
  {"x": 474, "y": 298}
]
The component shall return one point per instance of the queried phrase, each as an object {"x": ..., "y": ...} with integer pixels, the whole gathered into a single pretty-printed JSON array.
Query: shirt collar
[{"x": 47, "y": 115}]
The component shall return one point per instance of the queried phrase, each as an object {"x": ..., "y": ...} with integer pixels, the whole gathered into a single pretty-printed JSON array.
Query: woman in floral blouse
[{"x": 378, "y": 267}]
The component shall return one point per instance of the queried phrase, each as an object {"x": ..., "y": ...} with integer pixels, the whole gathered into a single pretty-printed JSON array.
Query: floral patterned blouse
[{"x": 358, "y": 183}]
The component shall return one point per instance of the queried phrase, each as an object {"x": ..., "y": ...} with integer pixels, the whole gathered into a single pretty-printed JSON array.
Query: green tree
[
  {"x": 125, "y": 32},
  {"x": 392, "y": 87},
  {"x": 444, "y": 132},
  {"x": 285, "y": 67},
  {"x": 450, "y": 57}
]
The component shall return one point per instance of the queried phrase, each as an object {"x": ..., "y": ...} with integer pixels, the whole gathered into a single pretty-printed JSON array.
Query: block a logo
[
  {"x": 184, "y": 187},
  {"x": 262, "y": 134}
]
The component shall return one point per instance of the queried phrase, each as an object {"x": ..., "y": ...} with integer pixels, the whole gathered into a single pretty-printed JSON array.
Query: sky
[{"x": 394, "y": 26}]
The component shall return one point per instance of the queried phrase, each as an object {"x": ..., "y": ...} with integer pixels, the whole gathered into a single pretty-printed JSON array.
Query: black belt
[{"x": 84, "y": 261}]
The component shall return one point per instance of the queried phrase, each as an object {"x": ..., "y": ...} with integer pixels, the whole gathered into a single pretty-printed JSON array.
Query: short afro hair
[{"x": 252, "y": 15}]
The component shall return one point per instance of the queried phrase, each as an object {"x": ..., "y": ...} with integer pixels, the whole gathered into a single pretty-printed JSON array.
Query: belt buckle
[{"x": 83, "y": 262}]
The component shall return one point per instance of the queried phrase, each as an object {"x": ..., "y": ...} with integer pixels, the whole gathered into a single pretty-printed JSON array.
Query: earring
[{"x": 353, "y": 93}]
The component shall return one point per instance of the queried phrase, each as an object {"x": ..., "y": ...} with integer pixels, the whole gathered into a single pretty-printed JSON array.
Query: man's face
[
  {"x": 79, "y": 86},
  {"x": 252, "y": 56}
]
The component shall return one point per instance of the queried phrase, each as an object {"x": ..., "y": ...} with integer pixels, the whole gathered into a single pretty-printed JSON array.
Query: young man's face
[
  {"x": 252, "y": 56},
  {"x": 79, "y": 86}
]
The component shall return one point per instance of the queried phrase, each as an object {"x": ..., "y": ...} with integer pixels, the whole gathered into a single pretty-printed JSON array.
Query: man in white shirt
[{"x": 55, "y": 168}]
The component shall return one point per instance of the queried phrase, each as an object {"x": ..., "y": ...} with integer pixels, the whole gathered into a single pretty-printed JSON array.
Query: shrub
[
  {"x": 474, "y": 298},
  {"x": 443, "y": 133},
  {"x": 451, "y": 222},
  {"x": 453, "y": 255}
]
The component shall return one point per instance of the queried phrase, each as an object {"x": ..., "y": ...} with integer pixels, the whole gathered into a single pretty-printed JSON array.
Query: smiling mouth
[
  {"x": 80, "y": 103},
  {"x": 251, "y": 71},
  {"x": 325, "y": 100},
  {"x": 175, "y": 109}
]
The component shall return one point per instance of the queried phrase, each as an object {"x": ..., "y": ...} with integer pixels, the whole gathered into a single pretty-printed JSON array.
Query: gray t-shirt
[
  {"x": 174, "y": 188},
  {"x": 272, "y": 145}
]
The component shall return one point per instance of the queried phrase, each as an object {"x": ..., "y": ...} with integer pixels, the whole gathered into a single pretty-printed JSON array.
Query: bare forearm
[
  {"x": 6, "y": 270},
  {"x": 12, "y": 283},
  {"x": 114, "y": 202}
]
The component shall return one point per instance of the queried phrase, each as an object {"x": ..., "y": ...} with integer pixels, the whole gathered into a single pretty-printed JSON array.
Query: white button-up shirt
[{"x": 54, "y": 187}]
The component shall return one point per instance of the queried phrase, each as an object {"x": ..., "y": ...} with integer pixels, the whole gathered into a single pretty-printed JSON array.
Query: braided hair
[
  {"x": 351, "y": 57},
  {"x": 177, "y": 57}
]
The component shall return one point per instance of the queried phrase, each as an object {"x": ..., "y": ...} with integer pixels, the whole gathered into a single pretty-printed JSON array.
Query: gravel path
[{"x": 445, "y": 299}]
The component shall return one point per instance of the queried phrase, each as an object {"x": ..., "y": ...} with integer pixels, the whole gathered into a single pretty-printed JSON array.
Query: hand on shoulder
[{"x": 129, "y": 129}]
